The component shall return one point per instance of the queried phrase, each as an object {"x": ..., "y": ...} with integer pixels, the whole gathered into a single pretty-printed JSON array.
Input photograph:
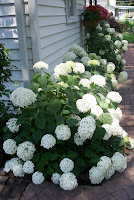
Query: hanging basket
[{"x": 90, "y": 24}]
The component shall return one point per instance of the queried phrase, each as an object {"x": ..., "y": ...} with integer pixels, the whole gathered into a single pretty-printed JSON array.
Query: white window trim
[{"x": 73, "y": 19}]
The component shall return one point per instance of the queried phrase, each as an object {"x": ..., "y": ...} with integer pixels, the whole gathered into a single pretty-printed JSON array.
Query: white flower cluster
[
  {"x": 123, "y": 62},
  {"x": 93, "y": 63},
  {"x": 93, "y": 56},
  {"x": 106, "y": 167},
  {"x": 69, "y": 56},
  {"x": 111, "y": 30},
  {"x": 116, "y": 114},
  {"x": 40, "y": 65},
  {"x": 85, "y": 82},
  {"x": 101, "y": 52},
  {"x": 118, "y": 58},
  {"x": 110, "y": 67},
  {"x": 78, "y": 50},
  {"x": 48, "y": 141},
  {"x": 28, "y": 167},
  {"x": 10, "y": 146},
  {"x": 56, "y": 178},
  {"x": 131, "y": 141},
  {"x": 18, "y": 170},
  {"x": 11, "y": 163},
  {"x": 22, "y": 97},
  {"x": 98, "y": 80},
  {"x": 123, "y": 76},
  {"x": 114, "y": 96},
  {"x": 107, "y": 38},
  {"x": 78, "y": 140},
  {"x": 119, "y": 162},
  {"x": 86, "y": 75},
  {"x": 86, "y": 103},
  {"x": 26, "y": 150},
  {"x": 119, "y": 36},
  {"x": 79, "y": 69},
  {"x": 38, "y": 178},
  {"x": 87, "y": 127},
  {"x": 96, "y": 110},
  {"x": 118, "y": 44},
  {"x": 66, "y": 165},
  {"x": 68, "y": 181},
  {"x": 63, "y": 132},
  {"x": 62, "y": 69},
  {"x": 85, "y": 60},
  {"x": 99, "y": 28},
  {"x": 11, "y": 124},
  {"x": 103, "y": 62}
]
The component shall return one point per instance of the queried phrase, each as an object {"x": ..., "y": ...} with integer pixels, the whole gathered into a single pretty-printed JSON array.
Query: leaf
[
  {"x": 95, "y": 159},
  {"x": 65, "y": 112},
  {"x": 35, "y": 75},
  {"x": 37, "y": 135},
  {"x": 60, "y": 119},
  {"x": 36, "y": 157},
  {"x": 70, "y": 80},
  {"x": 42, "y": 80},
  {"x": 72, "y": 122},
  {"x": 72, "y": 155},
  {"x": 80, "y": 162},
  {"x": 40, "y": 123},
  {"x": 54, "y": 105},
  {"x": 34, "y": 87},
  {"x": 103, "y": 105},
  {"x": 53, "y": 156},
  {"x": 39, "y": 167},
  {"x": 5, "y": 128},
  {"x": 49, "y": 171},
  {"x": 99, "y": 133},
  {"x": 88, "y": 153},
  {"x": 122, "y": 143},
  {"x": 8, "y": 135}
]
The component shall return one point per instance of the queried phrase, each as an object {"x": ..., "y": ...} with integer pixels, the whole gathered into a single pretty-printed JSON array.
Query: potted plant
[{"x": 91, "y": 16}]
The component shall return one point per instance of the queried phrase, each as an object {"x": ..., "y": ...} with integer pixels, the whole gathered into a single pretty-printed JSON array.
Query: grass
[{"x": 128, "y": 36}]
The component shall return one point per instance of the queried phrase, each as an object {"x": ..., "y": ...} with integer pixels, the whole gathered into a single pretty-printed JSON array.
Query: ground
[{"x": 119, "y": 187}]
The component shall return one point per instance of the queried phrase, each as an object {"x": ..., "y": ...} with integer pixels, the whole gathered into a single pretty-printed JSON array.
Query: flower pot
[{"x": 90, "y": 24}]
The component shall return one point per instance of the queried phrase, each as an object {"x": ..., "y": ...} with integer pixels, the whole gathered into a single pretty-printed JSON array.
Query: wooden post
[
  {"x": 90, "y": 2},
  {"x": 95, "y": 2}
]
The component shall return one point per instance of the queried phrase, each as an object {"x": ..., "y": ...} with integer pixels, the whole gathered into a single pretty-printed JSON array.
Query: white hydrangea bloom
[
  {"x": 28, "y": 167},
  {"x": 11, "y": 124},
  {"x": 123, "y": 76},
  {"x": 91, "y": 100},
  {"x": 85, "y": 60},
  {"x": 125, "y": 48},
  {"x": 114, "y": 96},
  {"x": 118, "y": 44},
  {"x": 18, "y": 170},
  {"x": 93, "y": 63},
  {"x": 88, "y": 36},
  {"x": 115, "y": 113},
  {"x": 83, "y": 54},
  {"x": 107, "y": 38},
  {"x": 124, "y": 134},
  {"x": 106, "y": 25},
  {"x": 78, "y": 140},
  {"x": 118, "y": 57},
  {"x": 48, "y": 141},
  {"x": 83, "y": 105},
  {"x": 110, "y": 67},
  {"x": 110, "y": 172},
  {"x": 119, "y": 162},
  {"x": 85, "y": 82},
  {"x": 63, "y": 132},
  {"x": 123, "y": 61},
  {"x": 114, "y": 82},
  {"x": 104, "y": 163},
  {"x": 98, "y": 80},
  {"x": 69, "y": 56},
  {"x": 79, "y": 68},
  {"x": 76, "y": 49},
  {"x": 26, "y": 150},
  {"x": 111, "y": 30},
  {"x": 119, "y": 36},
  {"x": 38, "y": 178},
  {"x": 77, "y": 118},
  {"x": 40, "y": 65},
  {"x": 87, "y": 127},
  {"x": 86, "y": 75},
  {"x": 108, "y": 133},
  {"x": 117, "y": 130},
  {"x": 96, "y": 110},
  {"x": 55, "y": 178},
  {"x": 68, "y": 181},
  {"x": 10, "y": 146},
  {"x": 22, "y": 97},
  {"x": 131, "y": 143},
  {"x": 66, "y": 165},
  {"x": 99, "y": 28},
  {"x": 103, "y": 62},
  {"x": 101, "y": 52},
  {"x": 62, "y": 69},
  {"x": 125, "y": 42},
  {"x": 7, "y": 166},
  {"x": 100, "y": 34},
  {"x": 96, "y": 175}
]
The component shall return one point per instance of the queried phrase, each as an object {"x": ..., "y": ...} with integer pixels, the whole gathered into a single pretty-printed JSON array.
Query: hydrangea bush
[{"x": 68, "y": 124}]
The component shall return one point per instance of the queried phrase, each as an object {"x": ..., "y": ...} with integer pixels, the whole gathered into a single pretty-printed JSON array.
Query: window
[{"x": 71, "y": 11}]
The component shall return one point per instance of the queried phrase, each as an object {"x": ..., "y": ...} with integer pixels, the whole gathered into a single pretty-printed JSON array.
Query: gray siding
[
  {"x": 9, "y": 37},
  {"x": 56, "y": 36}
]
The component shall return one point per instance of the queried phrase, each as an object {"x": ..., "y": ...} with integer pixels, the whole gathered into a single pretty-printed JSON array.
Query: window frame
[{"x": 71, "y": 19}]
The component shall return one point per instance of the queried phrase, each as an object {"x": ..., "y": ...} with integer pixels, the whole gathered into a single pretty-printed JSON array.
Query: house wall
[{"x": 56, "y": 36}]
